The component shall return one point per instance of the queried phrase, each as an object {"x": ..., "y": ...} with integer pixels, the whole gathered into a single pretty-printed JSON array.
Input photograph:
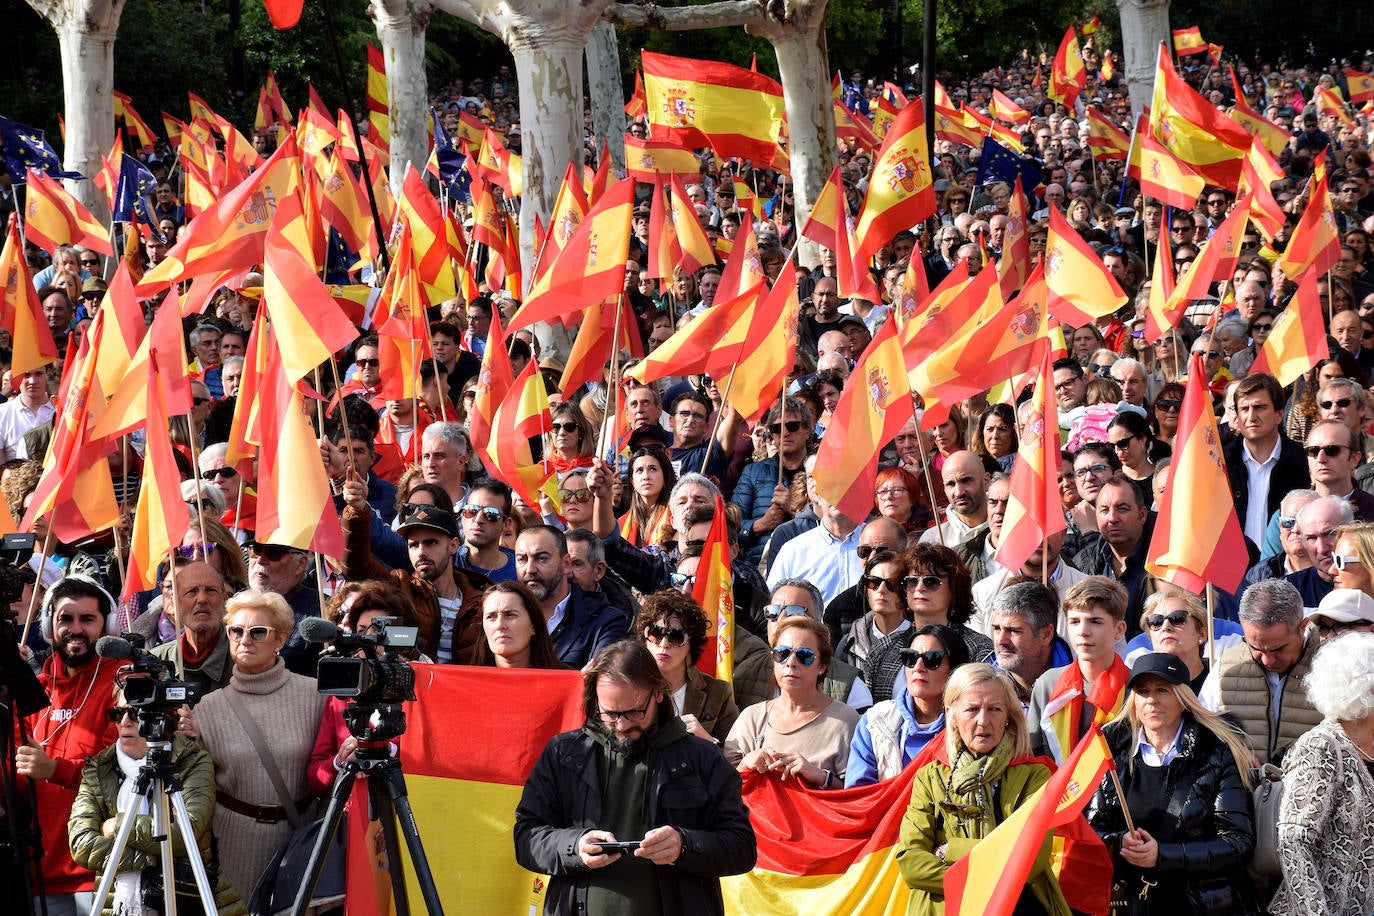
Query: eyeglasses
[
  {"x": 1211, "y": 354},
  {"x": 675, "y": 637},
  {"x": 1330, "y": 451},
  {"x": 778, "y": 611},
  {"x": 89, "y": 262},
  {"x": 1091, "y": 470},
  {"x": 1288, "y": 522},
  {"x": 367, "y": 363},
  {"x": 892, "y": 492},
  {"x": 563, "y": 427},
  {"x": 116, "y": 714},
  {"x": 581, "y": 495},
  {"x": 1265, "y": 328},
  {"x": 1342, "y": 403},
  {"x": 1168, "y": 405},
  {"x": 611, "y": 716},
  {"x": 1332, "y": 627},
  {"x": 488, "y": 513},
  {"x": 932, "y": 659},
  {"x": 1173, "y": 618},
  {"x": 681, "y": 581},
  {"x": 253, "y": 634},
  {"x": 272, "y": 553},
  {"x": 929, "y": 583},
  {"x": 199, "y": 551},
  {"x": 691, "y": 415},
  {"x": 1339, "y": 561},
  {"x": 199, "y": 402},
  {"x": 1122, "y": 444},
  {"x": 873, "y": 583},
  {"x": 792, "y": 426},
  {"x": 805, "y": 657},
  {"x": 226, "y": 472}
]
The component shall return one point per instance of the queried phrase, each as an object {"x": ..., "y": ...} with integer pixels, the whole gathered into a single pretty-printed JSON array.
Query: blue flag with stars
[
  {"x": 134, "y": 193},
  {"x": 448, "y": 154},
  {"x": 997, "y": 163},
  {"x": 23, "y": 147}
]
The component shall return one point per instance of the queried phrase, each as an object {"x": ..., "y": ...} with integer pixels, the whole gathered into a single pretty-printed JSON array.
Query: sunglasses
[
  {"x": 582, "y": 495},
  {"x": 199, "y": 402},
  {"x": 1169, "y": 405},
  {"x": 226, "y": 472},
  {"x": 1288, "y": 522},
  {"x": 253, "y": 634},
  {"x": 929, "y": 583},
  {"x": 866, "y": 550},
  {"x": 791, "y": 425},
  {"x": 1122, "y": 444},
  {"x": 1339, "y": 561},
  {"x": 932, "y": 659},
  {"x": 92, "y": 297},
  {"x": 563, "y": 427},
  {"x": 270, "y": 552},
  {"x": 1330, "y": 451},
  {"x": 1342, "y": 403},
  {"x": 681, "y": 581},
  {"x": 367, "y": 363},
  {"x": 116, "y": 714},
  {"x": 1175, "y": 618},
  {"x": 805, "y": 657},
  {"x": 1266, "y": 328},
  {"x": 778, "y": 611},
  {"x": 196, "y": 551},
  {"x": 675, "y": 637},
  {"x": 873, "y": 583},
  {"x": 89, "y": 263},
  {"x": 488, "y": 513}
]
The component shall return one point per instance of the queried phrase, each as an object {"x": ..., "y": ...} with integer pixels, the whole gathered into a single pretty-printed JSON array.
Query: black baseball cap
[
  {"x": 1166, "y": 667},
  {"x": 432, "y": 517}
]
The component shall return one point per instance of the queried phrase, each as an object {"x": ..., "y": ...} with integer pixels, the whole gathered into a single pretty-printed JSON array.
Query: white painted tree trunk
[
  {"x": 1144, "y": 24},
  {"x": 802, "y": 65},
  {"x": 401, "y": 28},
  {"x": 88, "y": 82},
  {"x": 607, "y": 93}
]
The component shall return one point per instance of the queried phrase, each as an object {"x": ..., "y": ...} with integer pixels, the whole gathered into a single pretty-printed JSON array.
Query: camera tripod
[
  {"x": 158, "y": 784},
  {"x": 388, "y": 803}
]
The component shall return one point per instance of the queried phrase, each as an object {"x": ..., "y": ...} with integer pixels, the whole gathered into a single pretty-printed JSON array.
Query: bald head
[
  {"x": 883, "y": 532},
  {"x": 966, "y": 487},
  {"x": 833, "y": 342}
]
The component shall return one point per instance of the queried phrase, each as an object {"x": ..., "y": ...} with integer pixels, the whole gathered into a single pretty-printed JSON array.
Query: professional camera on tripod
[{"x": 368, "y": 671}]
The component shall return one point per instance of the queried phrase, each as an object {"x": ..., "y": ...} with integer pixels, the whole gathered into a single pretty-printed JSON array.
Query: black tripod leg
[
  {"x": 385, "y": 814},
  {"x": 405, "y": 818},
  {"x": 343, "y": 785}
]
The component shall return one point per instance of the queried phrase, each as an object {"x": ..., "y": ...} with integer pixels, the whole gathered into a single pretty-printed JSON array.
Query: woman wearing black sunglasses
[
  {"x": 801, "y": 733},
  {"x": 893, "y": 732},
  {"x": 874, "y": 643},
  {"x": 673, "y": 628}
]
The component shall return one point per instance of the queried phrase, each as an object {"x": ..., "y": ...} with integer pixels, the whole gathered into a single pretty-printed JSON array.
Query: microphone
[
  {"x": 317, "y": 629},
  {"x": 114, "y": 647}
]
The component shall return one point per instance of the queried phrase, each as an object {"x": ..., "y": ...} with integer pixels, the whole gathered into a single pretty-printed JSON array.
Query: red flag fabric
[
  {"x": 1080, "y": 286},
  {"x": 900, "y": 192},
  {"x": 1315, "y": 244},
  {"x": 1034, "y": 510},
  {"x": 1068, "y": 76},
  {"x": 1189, "y": 41},
  {"x": 713, "y": 590},
  {"x": 1298, "y": 341},
  {"x": 20, "y": 311},
  {"x": 697, "y": 103},
  {"x": 53, "y": 217},
  {"x": 161, "y": 519}
]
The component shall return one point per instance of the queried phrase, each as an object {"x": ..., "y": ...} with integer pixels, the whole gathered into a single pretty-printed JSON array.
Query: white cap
[{"x": 1344, "y": 605}]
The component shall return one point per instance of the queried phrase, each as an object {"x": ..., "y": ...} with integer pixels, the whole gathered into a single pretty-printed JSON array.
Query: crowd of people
[{"x": 860, "y": 643}]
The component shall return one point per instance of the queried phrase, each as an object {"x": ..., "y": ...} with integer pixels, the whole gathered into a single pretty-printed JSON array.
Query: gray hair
[
  {"x": 1341, "y": 682},
  {"x": 201, "y": 330},
  {"x": 689, "y": 479},
  {"x": 1305, "y": 495},
  {"x": 213, "y": 455},
  {"x": 817, "y": 599},
  {"x": 1356, "y": 392},
  {"x": 1036, "y": 603},
  {"x": 455, "y": 435},
  {"x": 1121, "y": 365},
  {"x": 1234, "y": 324},
  {"x": 1347, "y": 514},
  {"x": 596, "y": 550},
  {"x": 231, "y": 361},
  {"x": 1270, "y": 602}
]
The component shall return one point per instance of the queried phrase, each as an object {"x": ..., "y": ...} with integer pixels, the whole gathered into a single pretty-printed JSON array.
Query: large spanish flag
[
  {"x": 1198, "y": 538},
  {"x": 1360, "y": 86},
  {"x": 1314, "y": 245},
  {"x": 466, "y": 754},
  {"x": 1189, "y": 41},
  {"x": 1080, "y": 286},
  {"x": 1068, "y": 76},
  {"x": 696, "y": 103},
  {"x": 900, "y": 192},
  {"x": 53, "y": 217},
  {"x": 1105, "y": 138},
  {"x": 1298, "y": 341},
  {"x": 1193, "y": 129},
  {"x": 1162, "y": 175},
  {"x": 1034, "y": 511},
  {"x": 714, "y": 590}
]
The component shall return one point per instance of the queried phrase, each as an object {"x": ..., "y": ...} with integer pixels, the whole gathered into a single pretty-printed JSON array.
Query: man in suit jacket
[{"x": 1262, "y": 464}]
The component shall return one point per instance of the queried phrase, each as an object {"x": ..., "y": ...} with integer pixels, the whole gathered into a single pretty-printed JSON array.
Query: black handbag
[{"x": 276, "y": 889}]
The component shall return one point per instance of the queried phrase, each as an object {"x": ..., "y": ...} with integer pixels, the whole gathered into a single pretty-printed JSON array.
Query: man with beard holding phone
[
  {"x": 630, "y": 813},
  {"x": 58, "y": 739}
]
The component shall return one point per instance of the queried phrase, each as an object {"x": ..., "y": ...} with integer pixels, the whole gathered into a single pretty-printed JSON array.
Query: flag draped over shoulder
[
  {"x": 696, "y": 103},
  {"x": 1197, "y": 539}
]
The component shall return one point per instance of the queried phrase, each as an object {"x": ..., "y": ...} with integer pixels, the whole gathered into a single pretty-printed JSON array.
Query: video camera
[
  {"x": 366, "y": 669},
  {"x": 149, "y": 685}
]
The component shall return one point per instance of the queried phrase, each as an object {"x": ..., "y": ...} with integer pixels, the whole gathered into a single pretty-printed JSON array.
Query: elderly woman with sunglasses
[
  {"x": 875, "y": 641},
  {"x": 802, "y": 733},
  {"x": 892, "y": 733},
  {"x": 265, "y": 705},
  {"x": 673, "y": 628}
]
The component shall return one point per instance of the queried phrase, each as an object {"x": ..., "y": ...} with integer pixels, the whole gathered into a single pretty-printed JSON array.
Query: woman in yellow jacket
[{"x": 960, "y": 797}]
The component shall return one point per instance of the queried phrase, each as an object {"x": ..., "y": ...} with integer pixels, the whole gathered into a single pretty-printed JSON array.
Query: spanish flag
[
  {"x": 53, "y": 217},
  {"x": 771, "y": 347},
  {"x": 1215, "y": 262},
  {"x": 988, "y": 881},
  {"x": 1159, "y": 315},
  {"x": 636, "y": 106},
  {"x": 1014, "y": 268},
  {"x": 1197, "y": 540},
  {"x": 953, "y": 125},
  {"x": 1068, "y": 76},
  {"x": 1004, "y": 109},
  {"x": 378, "y": 100},
  {"x": 1360, "y": 86},
  {"x": 1091, "y": 26},
  {"x": 1298, "y": 341},
  {"x": 1108, "y": 67},
  {"x": 1273, "y": 137},
  {"x": 1162, "y": 175},
  {"x": 343, "y": 204},
  {"x": 165, "y": 344},
  {"x": 900, "y": 192},
  {"x": 1064, "y": 709},
  {"x": 133, "y": 122},
  {"x": 1193, "y": 129},
  {"x": 1080, "y": 287},
  {"x": 652, "y": 162},
  {"x": 596, "y": 342},
  {"x": 124, "y": 330},
  {"x": 1314, "y": 245},
  {"x": 714, "y": 590},
  {"x": 161, "y": 519},
  {"x": 1034, "y": 511},
  {"x": 1257, "y": 176},
  {"x": 696, "y": 103},
  {"x": 522, "y": 415},
  {"x": 820, "y": 225},
  {"x": 1329, "y": 102},
  {"x": 1105, "y": 139},
  {"x": 466, "y": 754},
  {"x": 1189, "y": 41},
  {"x": 850, "y": 125},
  {"x": 569, "y": 210},
  {"x": 874, "y": 406},
  {"x": 20, "y": 311}
]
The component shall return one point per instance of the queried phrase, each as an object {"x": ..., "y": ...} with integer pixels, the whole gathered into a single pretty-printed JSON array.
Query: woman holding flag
[
  {"x": 1182, "y": 839},
  {"x": 983, "y": 775}
]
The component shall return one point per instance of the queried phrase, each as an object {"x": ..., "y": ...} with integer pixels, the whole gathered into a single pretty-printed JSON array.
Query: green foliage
[
  {"x": 165, "y": 47},
  {"x": 30, "y": 70},
  {"x": 1276, "y": 32},
  {"x": 975, "y": 35}
]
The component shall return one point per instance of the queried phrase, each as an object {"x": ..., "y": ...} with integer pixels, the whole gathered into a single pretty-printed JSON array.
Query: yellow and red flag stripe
[
  {"x": 1162, "y": 175},
  {"x": 20, "y": 311},
  {"x": 652, "y": 162},
  {"x": 378, "y": 104},
  {"x": 1189, "y": 41},
  {"x": 697, "y": 103},
  {"x": 1080, "y": 286},
  {"x": 714, "y": 590},
  {"x": 1360, "y": 86},
  {"x": 133, "y": 122},
  {"x": 1034, "y": 510},
  {"x": 1105, "y": 138},
  {"x": 900, "y": 190},
  {"x": 1068, "y": 76},
  {"x": 1298, "y": 341},
  {"x": 53, "y": 217},
  {"x": 1193, "y": 129}
]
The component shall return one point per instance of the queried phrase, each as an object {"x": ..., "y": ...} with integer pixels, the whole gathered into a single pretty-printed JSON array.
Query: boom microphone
[
  {"x": 114, "y": 647},
  {"x": 317, "y": 629}
]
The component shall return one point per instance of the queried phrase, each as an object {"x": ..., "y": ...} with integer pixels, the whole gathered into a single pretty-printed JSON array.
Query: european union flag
[
  {"x": 451, "y": 160},
  {"x": 23, "y": 147},
  {"x": 997, "y": 163},
  {"x": 134, "y": 193}
]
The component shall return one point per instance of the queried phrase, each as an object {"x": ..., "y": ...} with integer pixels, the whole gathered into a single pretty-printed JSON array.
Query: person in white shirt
[{"x": 30, "y": 408}]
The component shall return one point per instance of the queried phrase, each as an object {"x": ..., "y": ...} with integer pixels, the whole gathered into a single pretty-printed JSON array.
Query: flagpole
[
  {"x": 1121, "y": 796},
  {"x": 925, "y": 470},
  {"x": 343, "y": 416},
  {"x": 195, "y": 462},
  {"x": 176, "y": 611},
  {"x": 782, "y": 418},
  {"x": 42, "y": 564},
  {"x": 415, "y": 397},
  {"x": 720, "y": 415},
  {"x": 1211, "y": 610},
  {"x": 613, "y": 396}
]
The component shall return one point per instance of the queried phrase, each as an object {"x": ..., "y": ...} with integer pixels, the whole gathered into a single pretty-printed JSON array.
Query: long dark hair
[
  {"x": 640, "y": 510},
  {"x": 542, "y": 652}
]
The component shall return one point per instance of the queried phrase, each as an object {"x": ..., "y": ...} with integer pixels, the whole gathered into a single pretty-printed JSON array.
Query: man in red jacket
[{"x": 80, "y": 688}]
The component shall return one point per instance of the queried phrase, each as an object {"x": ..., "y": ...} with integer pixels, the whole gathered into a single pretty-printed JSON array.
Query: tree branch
[
  {"x": 748, "y": 13},
  {"x": 48, "y": 9}
]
